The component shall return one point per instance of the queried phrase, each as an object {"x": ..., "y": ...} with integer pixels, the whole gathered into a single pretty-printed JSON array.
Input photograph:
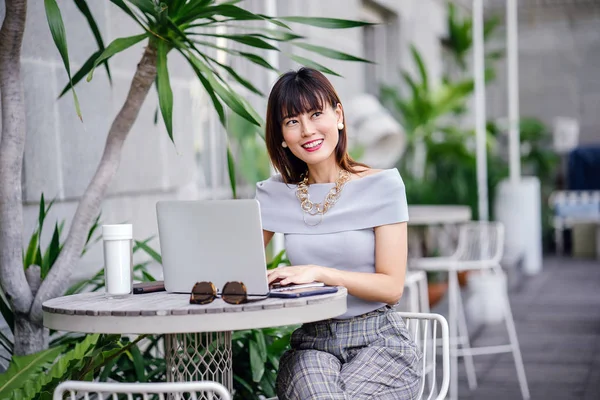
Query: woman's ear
[{"x": 339, "y": 113}]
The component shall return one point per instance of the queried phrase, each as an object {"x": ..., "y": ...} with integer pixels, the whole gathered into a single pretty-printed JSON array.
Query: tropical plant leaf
[
  {"x": 312, "y": 64},
  {"x": 248, "y": 40},
  {"x": 146, "y": 6},
  {"x": 163, "y": 85},
  {"x": 244, "y": 82},
  {"x": 116, "y": 46},
  {"x": 421, "y": 66},
  {"x": 57, "y": 29},
  {"x": 328, "y": 23},
  {"x": 258, "y": 60},
  {"x": 42, "y": 212},
  {"x": 69, "y": 362},
  {"x": 138, "y": 364},
  {"x": 24, "y": 373},
  {"x": 32, "y": 247},
  {"x": 330, "y": 53},
  {"x": 230, "y": 98},
  {"x": 83, "y": 71},
  {"x": 85, "y": 10},
  {"x": 231, "y": 169},
  {"x": 121, "y": 4},
  {"x": 256, "y": 364},
  {"x": 259, "y": 337},
  {"x": 149, "y": 250},
  {"x": 93, "y": 229},
  {"x": 51, "y": 253},
  {"x": 276, "y": 260}
]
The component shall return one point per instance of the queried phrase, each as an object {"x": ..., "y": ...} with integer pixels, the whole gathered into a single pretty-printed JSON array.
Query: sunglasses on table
[{"x": 232, "y": 293}]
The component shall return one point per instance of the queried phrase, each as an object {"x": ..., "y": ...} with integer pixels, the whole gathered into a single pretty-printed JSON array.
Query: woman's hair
[{"x": 294, "y": 93}]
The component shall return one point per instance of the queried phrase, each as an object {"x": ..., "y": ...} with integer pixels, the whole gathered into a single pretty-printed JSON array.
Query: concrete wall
[{"x": 559, "y": 55}]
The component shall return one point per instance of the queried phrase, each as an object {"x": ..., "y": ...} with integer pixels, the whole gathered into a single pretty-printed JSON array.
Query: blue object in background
[{"x": 584, "y": 168}]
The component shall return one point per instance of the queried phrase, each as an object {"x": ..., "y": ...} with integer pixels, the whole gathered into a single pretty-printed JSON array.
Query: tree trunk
[
  {"x": 57, "y": 280},
  {"x": 12, "y": 147},
  {"x": 29, "y": 337}
]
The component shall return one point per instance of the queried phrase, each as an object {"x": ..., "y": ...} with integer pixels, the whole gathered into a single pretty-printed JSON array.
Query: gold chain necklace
[{"x": 310, "y": 208}]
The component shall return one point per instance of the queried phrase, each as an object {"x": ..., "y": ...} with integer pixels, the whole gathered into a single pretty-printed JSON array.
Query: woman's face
[{"x": 313, "y": 136}]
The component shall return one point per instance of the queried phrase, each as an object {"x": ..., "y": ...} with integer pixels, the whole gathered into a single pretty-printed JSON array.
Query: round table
[
  {"x": 438, "y": 215},
  {"x": 197, "y": 337}
]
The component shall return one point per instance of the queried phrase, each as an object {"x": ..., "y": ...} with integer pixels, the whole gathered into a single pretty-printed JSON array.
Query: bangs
[{"x": 299, "y": 96}]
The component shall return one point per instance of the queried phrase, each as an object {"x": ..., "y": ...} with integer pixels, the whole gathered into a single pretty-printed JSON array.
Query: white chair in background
[
  {"x": 205, "y": 390},
  {"x": 415, "y": 297},
  {"x": 480, "y": 247}
]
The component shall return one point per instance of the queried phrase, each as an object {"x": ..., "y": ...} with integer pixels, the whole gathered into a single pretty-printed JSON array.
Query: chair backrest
[
  {"x": 427, "y": 330},
  {"x": 571, "y": 206},
  {"x": 480, "y": 241},
  {"x": 169, "y": 390}
]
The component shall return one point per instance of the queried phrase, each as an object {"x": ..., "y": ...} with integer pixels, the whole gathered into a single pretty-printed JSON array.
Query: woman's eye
[
  {"x": 291, "y": 122},
  {"x": 318, "y": 113}
]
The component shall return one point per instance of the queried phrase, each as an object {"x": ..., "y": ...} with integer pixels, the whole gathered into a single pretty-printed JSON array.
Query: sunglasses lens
[
  {"x": 203, "y": 293},
  {"x": 234, "y": 293}
]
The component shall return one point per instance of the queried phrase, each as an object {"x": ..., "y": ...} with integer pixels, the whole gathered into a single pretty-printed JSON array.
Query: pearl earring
[
  {"x": 284, "y": 145},
  {"x": 340, "y": 126}
]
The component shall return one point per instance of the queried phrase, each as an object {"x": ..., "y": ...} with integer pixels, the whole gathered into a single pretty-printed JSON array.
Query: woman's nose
[{"x": 307, "y": 129}]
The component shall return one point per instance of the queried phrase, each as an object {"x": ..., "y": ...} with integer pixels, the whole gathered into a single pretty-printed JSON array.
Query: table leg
[{"x": 199, "y": 357}]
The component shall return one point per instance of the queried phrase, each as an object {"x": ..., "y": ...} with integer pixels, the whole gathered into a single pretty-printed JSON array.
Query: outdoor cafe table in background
[
  {"x": 438, "y": 215},
  {"x": 197, "y": 337},
  {"x": 420, "y": 217},
  {"x": 447, "y": 217}
]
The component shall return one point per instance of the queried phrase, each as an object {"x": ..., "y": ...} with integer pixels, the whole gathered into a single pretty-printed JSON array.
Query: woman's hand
[{"x": 297, "y": 274}]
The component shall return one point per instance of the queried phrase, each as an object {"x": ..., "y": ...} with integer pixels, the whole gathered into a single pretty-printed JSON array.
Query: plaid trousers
[{"x": 366, "y": 357}]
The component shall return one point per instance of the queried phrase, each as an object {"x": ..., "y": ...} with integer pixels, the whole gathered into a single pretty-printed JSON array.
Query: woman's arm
[{"x": 385, "y": 285}]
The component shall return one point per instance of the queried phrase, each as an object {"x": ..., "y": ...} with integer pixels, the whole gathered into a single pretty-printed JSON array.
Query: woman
[{"x": 344, "y": 225}]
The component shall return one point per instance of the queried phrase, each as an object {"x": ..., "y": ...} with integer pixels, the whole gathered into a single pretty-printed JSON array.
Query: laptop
[{"x": 212, "y": 240}]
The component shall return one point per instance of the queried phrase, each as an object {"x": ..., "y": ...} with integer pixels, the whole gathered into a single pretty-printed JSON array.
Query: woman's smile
[{"x": 313, "y": 145}]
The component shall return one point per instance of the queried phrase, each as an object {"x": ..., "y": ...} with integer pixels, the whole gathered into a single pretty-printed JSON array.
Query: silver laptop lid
[{"x": 212, "y": 240}]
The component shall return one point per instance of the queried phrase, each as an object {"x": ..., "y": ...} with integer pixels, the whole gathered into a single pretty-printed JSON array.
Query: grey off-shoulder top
[{"x": 344, "y": 239}]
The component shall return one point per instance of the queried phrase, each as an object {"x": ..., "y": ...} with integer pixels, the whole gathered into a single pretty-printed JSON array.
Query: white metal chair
[
  {"x": 480, "y": 247},
  {"x": 111, "y": 391},
  {"x": 416, "y": 300},
  {"x": 424, "y": 329}
]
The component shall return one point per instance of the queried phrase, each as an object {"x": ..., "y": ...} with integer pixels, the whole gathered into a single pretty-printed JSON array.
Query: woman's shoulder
[
  {"x": 376, "y": 176},
  {"x": 273, "y": 191},
  {"x": 277, "y": 178}
]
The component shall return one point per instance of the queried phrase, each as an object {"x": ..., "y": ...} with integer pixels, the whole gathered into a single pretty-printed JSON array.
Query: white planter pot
[
  {"x": 518, "y": 207},
  {"x": 487, "y": 296}
]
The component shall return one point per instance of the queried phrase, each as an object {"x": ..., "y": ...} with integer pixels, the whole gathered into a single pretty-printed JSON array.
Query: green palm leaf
[
  {"x": 248, "y": 40},
  {"x": 57, "y": 29},
  {"x": 83, "y": 71},
  {"x": 312, "y": 64},
  {"x": 165, "y": 93},
  {"x": 328, "y": 23},
  {"x": 331, "y": 53},
  {"x": 149, "y": 250},
  {"x": 231, "y": 170},
  {"x": 85, "y": 10},
  {"x": 116, "y": 46},
  {"x": 230, "y": 98}
]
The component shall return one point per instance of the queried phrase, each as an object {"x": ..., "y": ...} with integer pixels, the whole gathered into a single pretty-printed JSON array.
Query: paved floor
[{"x": 557, "y": 315}]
